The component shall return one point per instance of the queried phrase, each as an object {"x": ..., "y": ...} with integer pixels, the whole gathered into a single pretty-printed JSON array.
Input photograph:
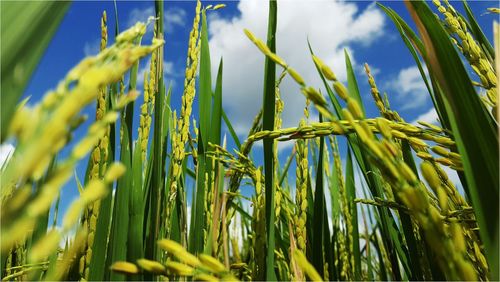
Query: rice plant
[{"x": 131, "y": 219}]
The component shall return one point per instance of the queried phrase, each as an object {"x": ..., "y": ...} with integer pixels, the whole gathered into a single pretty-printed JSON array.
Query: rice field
[{"x": 161, "y": 197}]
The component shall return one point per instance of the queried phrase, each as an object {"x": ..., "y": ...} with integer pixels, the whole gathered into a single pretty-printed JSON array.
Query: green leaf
[
  {"x": 383, "y": 272},
  {"x": 136, "y": 211},
  {"x": 268, "y": 107},
  {"x": 26, "y": 30},
  {"x": 215, "y": 137},
  {"x": 284, "y": 173},
  {"x": 205, "y": 89},
  {"x": 117, "y": 30},
  {"x": 129, "y": 109},
  {"x": 352, "y": 84},
  {"x": 231, "y": 129},
  {"x": 156, "y": 189},
  {"x": 120, "y": 224},
  {"x": 406, "y": 223},
  {"x": 351, "y": 195},
  {"x": 334, "y": 184},
  {"x": 205, "y": 104},
  {"x": 215, "y": 125},
  {"x": 319, "y": 215},
  {"x": 100, "y": 247},
  {"x": 329, "y": 259}
]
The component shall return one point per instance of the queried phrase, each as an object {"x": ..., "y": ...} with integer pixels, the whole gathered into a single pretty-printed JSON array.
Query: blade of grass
[
  {"x": 214, "y": 138},
  {"x": 105, "y": 223},
  {"x": 268, "y": 107},
  {"x": 406, "y": 223},
  {"x": 175, "y": 233},
  {"x": 352, "y": 84},
  {"x": 120, "y": 224},
  {"x": 215, "y": 125},
  {"x": 135, "y": 232},
  {"x": 26, "y": 30},
  {"x": 101, "y": 245},
  {"x": 205, "y": 83},
  {"x": 129, "y": 109},
  {"x": 351, "y": 194},
  {"x": 369, "y": 262},
  {"x": 204, "y": 166},
  {"x": 310, "y": 214},
  {"x": 148, "y": 171},
  {"x": 156, "y": 185},
  {"x": 243, "y": 213},
  {"x": 329, "y": 260},
  {"x": 135, "y": 248},
  {"x": 383, "y": 271},
  {"x": 319, "y": 215},
  {"x": 117, "y": 30},
  {"x": 333, "y": 185},
  {"x": 231, "y": 129},
  {"x": 284, "y": 173},
  {"x": 147, "y": 196}
]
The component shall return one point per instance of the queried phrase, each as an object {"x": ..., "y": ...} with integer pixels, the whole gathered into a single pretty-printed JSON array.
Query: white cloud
[
  {"x": 6, "y": 151},
  {"x": 330, "y": 27},
  {"x": 409, "y": 88},
  {"x": 174, "y": 17},
  {"x": 430, "y": 117}
]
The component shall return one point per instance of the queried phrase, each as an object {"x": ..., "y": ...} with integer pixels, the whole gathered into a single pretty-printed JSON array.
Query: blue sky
[{"x": 360, "y": 27}]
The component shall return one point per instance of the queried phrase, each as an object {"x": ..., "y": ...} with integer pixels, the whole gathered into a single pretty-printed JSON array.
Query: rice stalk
[
  {"x": 470, "y": 48},
  {"x": 180, "y": 138},
  {"x": 99, "y": 158}
]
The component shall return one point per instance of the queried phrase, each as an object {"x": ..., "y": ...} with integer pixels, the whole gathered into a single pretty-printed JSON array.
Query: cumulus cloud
[
  {"x": 174, "y": 17},
  {"x": 430, "y": 117},
  {"x": 330, "y": 27},
  {"x": 409, "y": 88}
]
